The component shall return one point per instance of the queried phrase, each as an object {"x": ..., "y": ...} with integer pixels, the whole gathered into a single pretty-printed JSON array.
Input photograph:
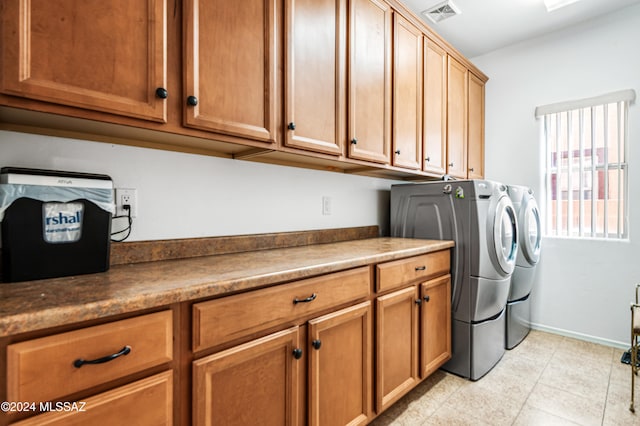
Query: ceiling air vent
[{"x": 441, "y": 11}]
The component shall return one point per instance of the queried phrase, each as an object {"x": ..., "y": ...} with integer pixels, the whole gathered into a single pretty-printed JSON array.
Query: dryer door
[
  {"x": 531, "y": 231},
  {"x": 505, "y": 235}
]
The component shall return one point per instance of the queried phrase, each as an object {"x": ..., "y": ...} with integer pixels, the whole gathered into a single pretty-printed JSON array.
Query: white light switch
[{"x": 326, "y": 206}]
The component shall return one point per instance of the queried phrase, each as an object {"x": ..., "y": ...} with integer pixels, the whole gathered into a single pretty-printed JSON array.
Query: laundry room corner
[{"x": 582, "y": 287}]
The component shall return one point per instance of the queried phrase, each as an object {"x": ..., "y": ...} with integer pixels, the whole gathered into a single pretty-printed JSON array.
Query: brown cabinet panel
[
  {"x": 407, "y": 94},
  {"x": 230, "y": 67},
  {"x": 147, "y": 402},
  {"x": 369, "y": 80},
  {"x": 435, "y": 319},
  {"x": 315, "y": 75},
  {"x": 476, "y": 128},
  {"x": 457, "y": 77},
  {"x": 340, "y": 367},
  {"x": 100, "y": 55},
  {"x": 396, "y": 345},
  {"x": 395, "y": 274},
  {"x": 43, "y": 369},
  {"x": 435, "y": 108},
  {"x": 257, "y": 382},
  {"x": 230, "y": 318}
]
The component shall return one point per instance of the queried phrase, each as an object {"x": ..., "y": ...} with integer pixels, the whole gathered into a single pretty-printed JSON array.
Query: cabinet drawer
[
  {"x": 43, "y": 369},
  {"x": 145, "y": 402},
  {"x": 400, "y": 272},
  {"x": 230, "y": 318}
]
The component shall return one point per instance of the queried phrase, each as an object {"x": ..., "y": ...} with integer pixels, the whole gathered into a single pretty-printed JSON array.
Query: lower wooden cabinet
[
  {"x": 261, "y": 382},
  {"x": 145, "y": 402},
  {"x": 340, "y": 367},
  {"x": 59, "y": 365},
  {"x": 413, "y": 324},
  {"x": 326, "y": 350},
  {"x": 396, "y": 345},
  {"x": 254, "y": 383},
  {"x": 435, "y": 324},
  {"x": 115, "y": 372}
]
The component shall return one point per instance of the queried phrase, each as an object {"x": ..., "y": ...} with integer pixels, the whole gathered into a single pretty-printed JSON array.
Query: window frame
[{"x": 587, "y": 163}]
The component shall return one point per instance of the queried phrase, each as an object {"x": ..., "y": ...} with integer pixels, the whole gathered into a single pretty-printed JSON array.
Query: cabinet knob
[
  {"x": 316, "y": 344},
  {"x": 297, "y": 353},
  {"x": 418, "y": 301},
  {"x": 192, "y": 100},
  {"x": 471, "y": 169},
  {"x": 426, "y": 298},
  {"x": 291, "y": 126},
  {"x": 162, "y": 93},
  {"x": 354, "y": 141},
  {"x": 450, "y": 164},
  {"x": 428, "y": 159},
  {"x": 397, "y": 152}
]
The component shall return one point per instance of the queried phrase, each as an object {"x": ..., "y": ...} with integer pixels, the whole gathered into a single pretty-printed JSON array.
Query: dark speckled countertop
[{"x": 41, "y": 304}]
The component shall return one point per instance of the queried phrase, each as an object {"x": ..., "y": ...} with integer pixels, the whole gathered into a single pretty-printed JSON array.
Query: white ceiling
[{"x": 486, "y": 25}]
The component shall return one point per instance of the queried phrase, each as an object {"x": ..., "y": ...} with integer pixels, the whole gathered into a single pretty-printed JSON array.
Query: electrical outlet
[
  {"x": 326, "y": 206},
  {"x": 127, "y": 196}
]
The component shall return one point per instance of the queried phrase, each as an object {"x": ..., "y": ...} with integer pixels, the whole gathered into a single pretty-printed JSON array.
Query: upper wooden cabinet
[
  {"x": 407, "y": 94},
  {"x": 435, "y": 108},
  {"x": 315, "y": 75},
  {"x": 100, "y": 55},
  {"x": 465, "y": 122},
  {"x": 230, "y": 67},
  {"x": 476, "y": 128},
  {"x": 358, "y": 86},
  {"x": 369, "y": 80},
  {"x": 457, "y": 81}
]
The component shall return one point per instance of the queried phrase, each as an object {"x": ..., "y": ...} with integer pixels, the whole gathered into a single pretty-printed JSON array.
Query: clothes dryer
[
  {"x": 479, "y": 217},
  {"x": 519, "y": 304}
]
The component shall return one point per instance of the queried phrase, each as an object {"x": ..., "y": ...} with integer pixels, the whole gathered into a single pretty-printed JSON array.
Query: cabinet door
[
  {"x": 100, "y": 55},
  {"x": 257, "y": 380},
  {"x": 407, "y": 94},
  {"x": 369, "y": 80},
  {"x": 340, "y": 367},
  {"x": 456, "y": 119},
  {"x": 476, "y": 128},
  {"x": 435, "y": 108},
  {"x": 315, "y": 75},
  {"x": 435, "y": 321},
  {"x": 396, "y": 345},
  {"x": 230, "y": 67}
]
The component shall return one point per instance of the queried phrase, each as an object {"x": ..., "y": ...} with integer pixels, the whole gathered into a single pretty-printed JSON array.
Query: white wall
[
  {"x": 583, "y": 288},
  {"x": 185, "y": 195}
]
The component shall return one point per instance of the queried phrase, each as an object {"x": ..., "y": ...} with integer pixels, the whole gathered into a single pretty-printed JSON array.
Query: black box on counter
[{"x": 54, "y": 223}]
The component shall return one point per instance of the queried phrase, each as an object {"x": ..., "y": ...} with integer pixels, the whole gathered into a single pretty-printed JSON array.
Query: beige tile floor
[{"x": 546, "y": 380}]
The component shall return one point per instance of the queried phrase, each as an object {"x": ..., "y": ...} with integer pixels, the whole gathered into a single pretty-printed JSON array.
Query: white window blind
[{"x": 586, "y": 166}]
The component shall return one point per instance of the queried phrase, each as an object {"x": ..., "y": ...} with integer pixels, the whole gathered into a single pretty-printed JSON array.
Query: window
[{"x": 585, "y": 167}]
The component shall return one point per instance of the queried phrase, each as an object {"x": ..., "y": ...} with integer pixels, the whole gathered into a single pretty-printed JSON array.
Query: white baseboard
[{"x": 581, "y": 336}]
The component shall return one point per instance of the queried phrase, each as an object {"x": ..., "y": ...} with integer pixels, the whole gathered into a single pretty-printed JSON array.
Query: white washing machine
[
  {"x": 518, "y": 304},
  {"x": 479, "y": 217}
]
